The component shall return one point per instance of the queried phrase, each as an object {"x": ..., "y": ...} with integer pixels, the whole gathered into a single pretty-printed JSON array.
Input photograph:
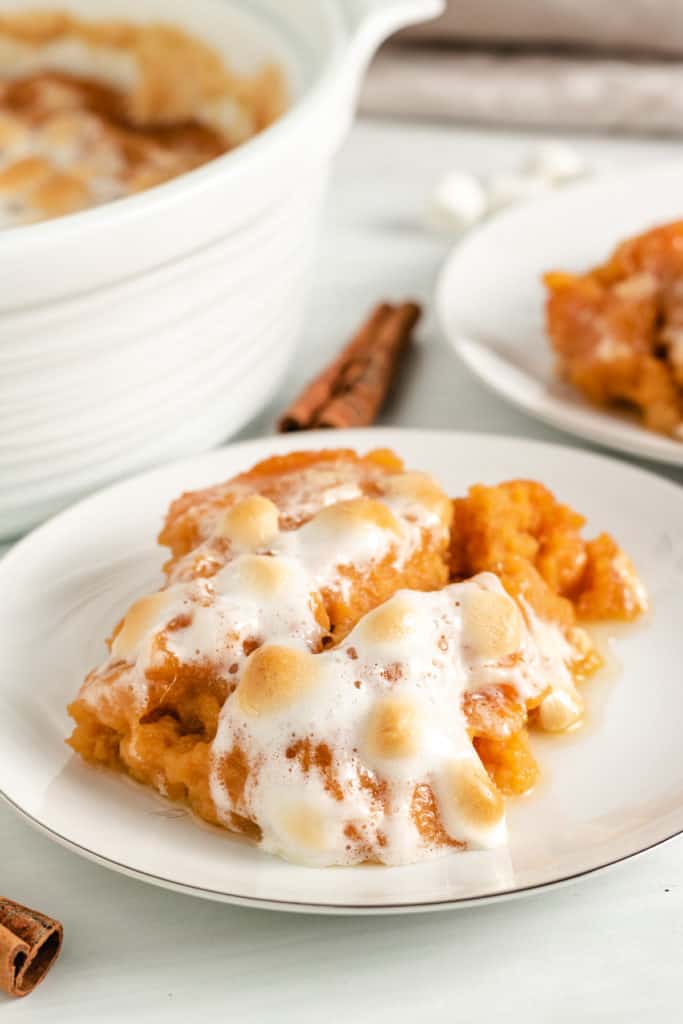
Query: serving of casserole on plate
[
  {"x": 346, "y": 667},
  {"x": 343, "y": 662},
  {"x": 581, "y": 328}
]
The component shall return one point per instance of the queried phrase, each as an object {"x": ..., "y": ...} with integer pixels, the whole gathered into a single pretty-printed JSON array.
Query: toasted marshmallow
[
  {"x": 424, "y": 491},
  {"x": 394, "y": 728},
  {"x": 59, "y": 194},
  {"x": 471, "y": 807},
  {"x": 251, "y": 523},
  {"x": 141, "y": 617},
  {"x": 392, "y": 622},
  {"x": 492, "y": 624},
  {"x": 264, "y": 574},
  {"x": 13, "y": 133},
  {"x": 24, "y": 175},
  {"x": 560, "y": 710},
  {"x": 304, "y": 826},
  {"x": 359, "y": 512},
  {"x": 274, "y": 678}
]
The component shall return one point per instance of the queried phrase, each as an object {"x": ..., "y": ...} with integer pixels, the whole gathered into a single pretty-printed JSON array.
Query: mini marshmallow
[
  {"x": 457, "y": 202},
  {"x": 304, "y": 826},
  {"x": 264, "y": 574},
  {"x": 391, "y": 622},
  {"x": 479, "y": 803},
  {"x": 251, "y": 523},
  {"x": 394, "y": 728},
  {"x": 556, "y": 163},
  {"x": 423, "y": 490},
  {"x": 140, "y": 619},
  {"x": 358, "y": 512},
  {"x": 492, "y": 624},
  {"x": 275, "y": 677},
  {"x": 58, "y": 194},
  {"x": 24, "y": 175},
  {"x": 560, "y": 710}
]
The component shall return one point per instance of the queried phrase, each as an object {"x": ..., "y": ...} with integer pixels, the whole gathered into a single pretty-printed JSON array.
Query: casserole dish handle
[{"x": 373, "y": 21}]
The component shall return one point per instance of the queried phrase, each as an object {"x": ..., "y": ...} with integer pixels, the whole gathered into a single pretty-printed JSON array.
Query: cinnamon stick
[
  {"x": 29, "y": 944},
  {"x": 351, "y": 391}
]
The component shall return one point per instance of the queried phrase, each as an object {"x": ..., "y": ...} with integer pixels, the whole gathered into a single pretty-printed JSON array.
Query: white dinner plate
[
  {"x": 490, "y": 297},
  {"x": 609, "y": 791}
]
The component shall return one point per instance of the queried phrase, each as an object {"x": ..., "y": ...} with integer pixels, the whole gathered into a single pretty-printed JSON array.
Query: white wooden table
[{"x": 608, "y": 948}]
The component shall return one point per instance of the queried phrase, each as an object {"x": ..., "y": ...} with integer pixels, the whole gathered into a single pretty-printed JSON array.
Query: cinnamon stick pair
[
  {"x": 351, "y": 391},
  {"x": 29, "y": 944}
]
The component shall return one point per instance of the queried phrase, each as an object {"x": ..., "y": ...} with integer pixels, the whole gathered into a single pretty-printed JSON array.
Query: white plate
[
  {"x": 490, "y": 298},
  {"x": 609, "y": 791}
]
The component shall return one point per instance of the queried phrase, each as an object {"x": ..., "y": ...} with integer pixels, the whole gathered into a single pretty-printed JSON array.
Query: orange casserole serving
[
  {"x": 344, "y": 664},
  {"x": 618, "y": 329}
]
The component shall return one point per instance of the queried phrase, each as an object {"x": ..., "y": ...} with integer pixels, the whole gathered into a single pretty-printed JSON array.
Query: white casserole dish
[{"x": 156, "y": 325}]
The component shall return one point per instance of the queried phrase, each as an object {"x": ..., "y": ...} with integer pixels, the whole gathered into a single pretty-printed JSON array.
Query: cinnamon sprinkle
[
  {"x": 351, "y": 391},
  {"x": 29, "y": 944}
]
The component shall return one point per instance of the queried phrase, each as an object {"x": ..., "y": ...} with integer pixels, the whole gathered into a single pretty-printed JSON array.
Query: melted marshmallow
[
  {"x": 250, "y": 599},
  {"x": 338, "y": 742},
  {"x": 258, "y": 597},
  {"x": 339, "y": 527},
  {"x": 386, "y": 704},
  {"x": 301, "y": 496}
]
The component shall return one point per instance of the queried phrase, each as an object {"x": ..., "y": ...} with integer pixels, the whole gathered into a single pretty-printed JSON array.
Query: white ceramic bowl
[{"x": 155, "y": 326}]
